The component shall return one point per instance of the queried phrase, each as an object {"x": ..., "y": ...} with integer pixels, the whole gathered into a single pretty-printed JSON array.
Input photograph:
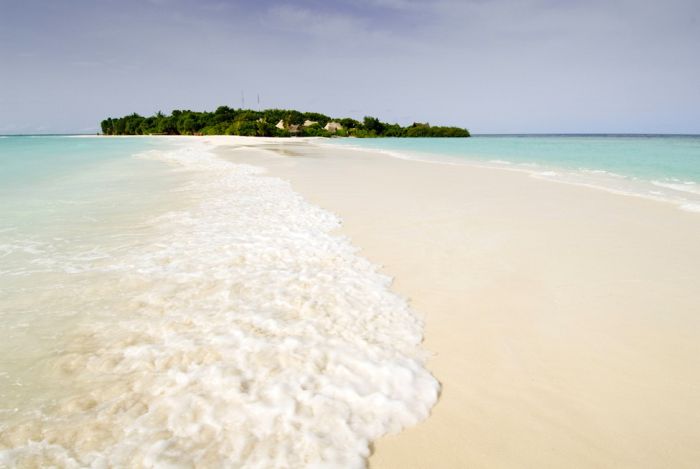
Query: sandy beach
[
  {"x": 384, "y": 234},
  {"x": 562, "y": 321}
]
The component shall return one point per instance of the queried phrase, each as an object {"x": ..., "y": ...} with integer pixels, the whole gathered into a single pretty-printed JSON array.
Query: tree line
[{"x": 268, "y": 123}]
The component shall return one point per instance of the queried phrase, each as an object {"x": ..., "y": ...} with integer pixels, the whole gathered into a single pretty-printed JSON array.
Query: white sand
[{"x": 564, "y": 321}]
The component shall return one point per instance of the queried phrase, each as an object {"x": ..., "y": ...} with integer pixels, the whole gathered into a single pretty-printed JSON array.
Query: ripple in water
[{"x": 245, "y": 335}]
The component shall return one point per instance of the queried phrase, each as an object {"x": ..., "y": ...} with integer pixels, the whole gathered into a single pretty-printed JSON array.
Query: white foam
[
  {"x": 686, "y": 186},
  {"x": 691, "y": 207},
  {"x": 546, "y": 174},
  {"x": 251, "y": 336}
]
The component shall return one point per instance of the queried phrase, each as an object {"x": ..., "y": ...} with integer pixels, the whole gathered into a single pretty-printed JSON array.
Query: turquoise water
[
  {"x": 64, "y": 202},
  {"x": 33, "y": 159},
  {"x": 661, "y": 167},
  {"x": 53, "y": 182},
  {"x": 162, "y": 306}
]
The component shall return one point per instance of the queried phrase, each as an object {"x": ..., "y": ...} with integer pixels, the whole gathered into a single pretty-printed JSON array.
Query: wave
[
  {"x": 681, "y": 186},
  {"x": 243, "y": 334}
]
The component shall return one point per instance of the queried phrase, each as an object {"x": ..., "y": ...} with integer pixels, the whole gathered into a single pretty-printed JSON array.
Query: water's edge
[
  {"x": 683, "y": 192},
  {"x": 241, "y": 332}
]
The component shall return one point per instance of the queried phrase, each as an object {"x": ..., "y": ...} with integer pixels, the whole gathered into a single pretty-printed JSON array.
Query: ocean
[
  {"x": 66, "y": 204},
  {"x": 163, "y": 306},
  {"x": 659, "y": 167}
]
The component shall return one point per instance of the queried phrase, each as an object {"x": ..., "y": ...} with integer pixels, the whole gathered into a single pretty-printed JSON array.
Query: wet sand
[{"x": 563, "y": 321}]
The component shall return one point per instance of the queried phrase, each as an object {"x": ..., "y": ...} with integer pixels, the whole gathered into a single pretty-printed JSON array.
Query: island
[{"x": 268, "y": 123}]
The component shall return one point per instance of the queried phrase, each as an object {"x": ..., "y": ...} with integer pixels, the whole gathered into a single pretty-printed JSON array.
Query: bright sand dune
[{"x": 564, "y": 321}]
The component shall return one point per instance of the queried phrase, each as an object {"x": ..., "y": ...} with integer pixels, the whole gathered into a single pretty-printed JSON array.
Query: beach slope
[{"x": 563, "y": 321}]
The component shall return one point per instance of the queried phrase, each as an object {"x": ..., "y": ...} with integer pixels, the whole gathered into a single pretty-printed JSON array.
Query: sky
[{"x": 492, "y": 66}]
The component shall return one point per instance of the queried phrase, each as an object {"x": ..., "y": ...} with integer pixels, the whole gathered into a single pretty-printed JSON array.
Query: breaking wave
[{"x": 245, "y": 333}]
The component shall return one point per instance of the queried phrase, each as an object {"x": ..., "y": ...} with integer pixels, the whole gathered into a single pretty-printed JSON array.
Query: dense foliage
[{"x": 268, "y": 123}]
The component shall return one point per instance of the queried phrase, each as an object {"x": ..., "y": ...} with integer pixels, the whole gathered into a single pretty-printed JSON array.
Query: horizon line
[{"x": 484, "y": 134}]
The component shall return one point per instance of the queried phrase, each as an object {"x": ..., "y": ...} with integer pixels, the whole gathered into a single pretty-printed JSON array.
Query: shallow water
[
  {"x": 659, "y": 167},
  {"x": 65, "y": 204},
  {"x": 182, "y": 310}
]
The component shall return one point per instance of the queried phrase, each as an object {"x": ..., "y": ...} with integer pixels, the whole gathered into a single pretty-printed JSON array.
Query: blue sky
[{"x": 489, "y": 65}]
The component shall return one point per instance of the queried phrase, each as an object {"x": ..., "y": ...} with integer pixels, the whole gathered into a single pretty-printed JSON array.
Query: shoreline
[
  {"x": 591, "y": 178},
  {"x": 560, "y": 318},
  {"x": 228, "y": 326},
  {"x": 686, "y": 199}
]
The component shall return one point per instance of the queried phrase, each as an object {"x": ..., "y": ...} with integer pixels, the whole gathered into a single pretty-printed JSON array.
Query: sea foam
[
  {"x": 251, "y": 335},
  {"x": 680, "y": 186}
]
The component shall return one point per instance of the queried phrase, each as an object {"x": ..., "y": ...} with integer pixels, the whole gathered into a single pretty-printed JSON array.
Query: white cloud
[{"x": 305, "y": 21}]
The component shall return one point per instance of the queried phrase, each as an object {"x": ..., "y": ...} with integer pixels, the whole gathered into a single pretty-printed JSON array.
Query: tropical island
[{"x": 268, "y": 123}]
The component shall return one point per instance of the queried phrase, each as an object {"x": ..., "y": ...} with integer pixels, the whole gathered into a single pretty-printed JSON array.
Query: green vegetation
[{"x": 268, "y": 123}]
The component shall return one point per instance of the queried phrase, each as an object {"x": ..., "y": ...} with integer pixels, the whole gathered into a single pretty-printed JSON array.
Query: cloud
[
  {"x": 304, "y": 21},
  {"x": 492, "y": 65}
]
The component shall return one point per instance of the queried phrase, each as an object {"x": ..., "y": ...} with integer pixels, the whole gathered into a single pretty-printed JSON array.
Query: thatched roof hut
[{"x": 333, "y": 126}]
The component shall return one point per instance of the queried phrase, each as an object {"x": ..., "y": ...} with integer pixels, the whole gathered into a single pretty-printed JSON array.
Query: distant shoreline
[
  {"x": 269, "y": 123},
  {"x": 519, "y": 134}
]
